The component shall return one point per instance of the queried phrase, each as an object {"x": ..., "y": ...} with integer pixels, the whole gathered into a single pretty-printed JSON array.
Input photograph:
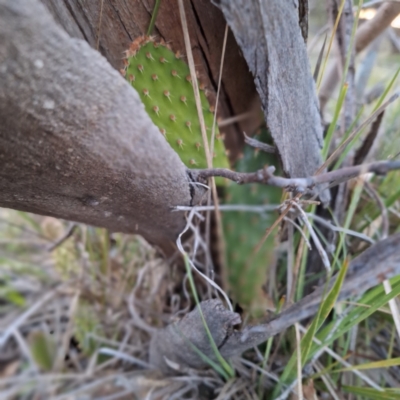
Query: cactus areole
[{"x": 164, "y": 84}]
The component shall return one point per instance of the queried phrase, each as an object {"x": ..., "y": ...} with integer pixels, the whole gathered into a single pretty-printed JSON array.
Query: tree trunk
[
  {"x": 271, "y": 39},
  {"x": 75, "y": 140}
]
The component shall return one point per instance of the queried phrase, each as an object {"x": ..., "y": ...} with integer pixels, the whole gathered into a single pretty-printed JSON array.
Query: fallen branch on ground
[{"x": 170, "y": 346}]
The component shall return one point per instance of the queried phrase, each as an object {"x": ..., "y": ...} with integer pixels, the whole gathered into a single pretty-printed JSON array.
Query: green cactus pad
[
  {"x": 163, "y": 82},
  {"x": 243, "y": 231}
]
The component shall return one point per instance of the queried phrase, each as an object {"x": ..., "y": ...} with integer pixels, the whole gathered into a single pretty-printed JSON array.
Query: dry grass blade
[
  {"x": 319, "y": 60},
  {"x": 393, "y": 307},
  {"x": 369, "y": 141},
  {"x": 7, "y": 332},
  {"x": 362, "y": 376},
  {"x": 339, "y": 150},
  {"x": 203, "y": 130},
  {"x": 299, "y": 368},
  {"x": 314, "y": 236}
]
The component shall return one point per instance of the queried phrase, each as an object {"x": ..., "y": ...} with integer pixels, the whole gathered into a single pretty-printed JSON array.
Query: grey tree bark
[
  {"x": 272, "y": 43},
  {"x": 75, "y": 140}
]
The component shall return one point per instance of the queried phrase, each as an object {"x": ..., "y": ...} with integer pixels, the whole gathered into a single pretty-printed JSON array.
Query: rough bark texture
[
  {"x": 381, "y": 261},
  {"x": 75, "y": 140},
  {"x": 303, "y": 18},
  {"x": 269, "y": 34},
  {"x": 111, "y": 25}
]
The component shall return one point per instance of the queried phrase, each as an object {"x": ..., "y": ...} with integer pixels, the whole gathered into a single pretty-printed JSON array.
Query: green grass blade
[
  {"x": 368, "y": 393},
  {"x": 331, "y": 43},
  {"x": 153, "y": 17},
  {"x": 387, "y": 90},
  {"x": 319, "y": 60},
  {"x": 359, "y": 314},
  {"x": 355, "y": 138},
  {"x": 207, "y": 360},
  {"x": 229, "y": 372},
  {"x": 350, "y": 48},
  {"x": 377, "y": 364},
  {"x": 326, "y": 307},
  {"x": 307, "y": 341},
  {"x": 332, "y": 126}
]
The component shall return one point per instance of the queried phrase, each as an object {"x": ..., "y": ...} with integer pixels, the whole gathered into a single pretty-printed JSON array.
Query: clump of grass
[{"x": 77, "y": 320}]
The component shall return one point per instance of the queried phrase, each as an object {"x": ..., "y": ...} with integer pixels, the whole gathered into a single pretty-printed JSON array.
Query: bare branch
[
  {"x": 259, "y": 145},
  {"x": 79, "y": 145},
  {"x": 266, "y": 176}
]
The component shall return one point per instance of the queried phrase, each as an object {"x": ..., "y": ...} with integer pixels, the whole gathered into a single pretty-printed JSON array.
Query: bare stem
[
  {"x": 266, "y": 175},
  {"x": 259, "y": 145}
]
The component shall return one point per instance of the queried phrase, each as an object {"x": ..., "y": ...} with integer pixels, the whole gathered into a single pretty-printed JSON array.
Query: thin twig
[
  {"x": 259, "y": 145},
  {"x": 236, "y": 118},
  {"x": 266, "y": 175},
  {"x": 335, "y": 228},
  {"x": 232, "y": 207},
  {"x": 71, "y": 229}
]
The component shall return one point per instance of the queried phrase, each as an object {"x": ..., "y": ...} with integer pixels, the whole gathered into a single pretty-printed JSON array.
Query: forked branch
[{"x": 301, "y": 185}]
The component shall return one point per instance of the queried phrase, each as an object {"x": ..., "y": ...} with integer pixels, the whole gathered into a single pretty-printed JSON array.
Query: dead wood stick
[
  {"x": 266, "y": 175},
  {"x": 378, "y": 263},
  {"x": 267, "y": 148},
  {"x": 79, "y": 145}
]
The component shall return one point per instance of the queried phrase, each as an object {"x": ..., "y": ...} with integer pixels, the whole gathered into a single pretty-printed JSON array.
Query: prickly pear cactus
[
  {"x": 163, "y": 82},
  {"x": 243, "y": 231}
]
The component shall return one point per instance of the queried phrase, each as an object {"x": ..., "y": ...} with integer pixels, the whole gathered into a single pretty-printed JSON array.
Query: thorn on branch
[{"x": 259, "y": 145}]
